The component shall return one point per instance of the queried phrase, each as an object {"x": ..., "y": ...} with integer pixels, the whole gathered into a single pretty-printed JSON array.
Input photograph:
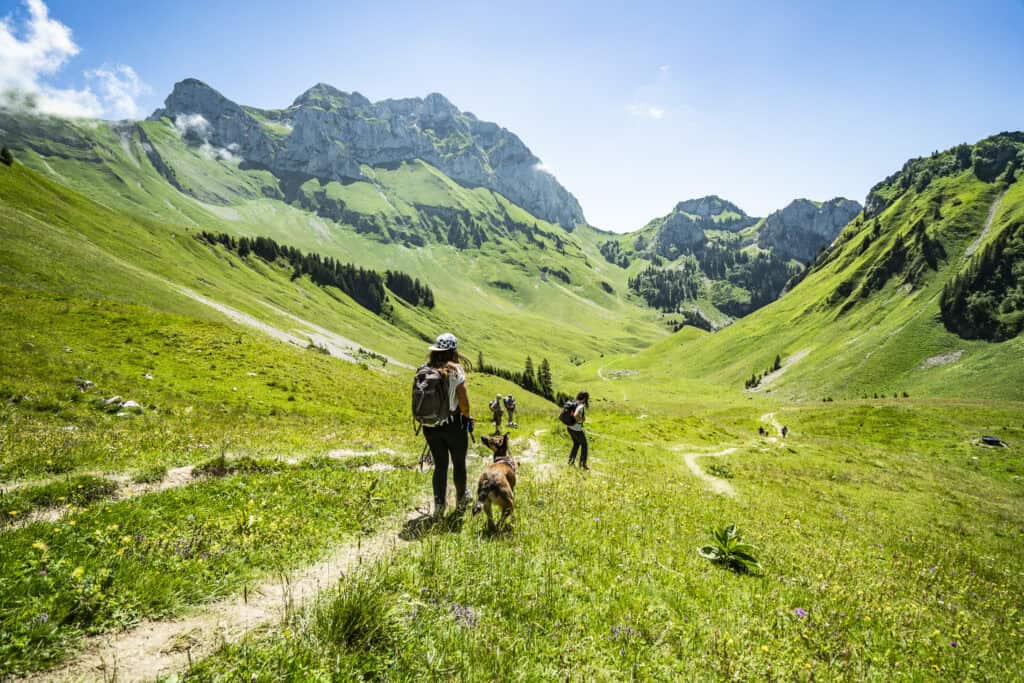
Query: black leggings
[
  {"x": 579, "y": 443},
  {"x": 444, "y": 441}
]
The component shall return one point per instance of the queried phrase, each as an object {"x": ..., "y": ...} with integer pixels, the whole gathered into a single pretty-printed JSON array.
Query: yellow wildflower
[
  {"x": 78, "y": 572},
  {"x": 40, "y": 546}
]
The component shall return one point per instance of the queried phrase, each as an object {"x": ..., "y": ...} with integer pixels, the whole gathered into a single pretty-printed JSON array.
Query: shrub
[{"x": 728, "y": 549}]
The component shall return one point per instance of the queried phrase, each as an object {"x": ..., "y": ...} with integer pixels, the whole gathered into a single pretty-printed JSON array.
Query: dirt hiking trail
[
  {"x": 159, "y": 648},
  {"x": 176, "y": 477},
  {"x": 154, "y": 649},
  {"x": 714, "y": 484}
]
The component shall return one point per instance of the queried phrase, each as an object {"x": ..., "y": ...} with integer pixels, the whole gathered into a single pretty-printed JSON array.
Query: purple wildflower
[
  {"x": 954, "y": 643},
  {"x": 622, "y": 632},
  {"x": 43, "y": 618},
  {"x": 800, "y": 612},
  {"x": 465, "y": 615}
]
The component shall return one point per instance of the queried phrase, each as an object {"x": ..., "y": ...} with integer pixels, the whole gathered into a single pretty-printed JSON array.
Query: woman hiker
[
  {"x": 450, "y": 438},
  {"x": 579, "y": 437}
]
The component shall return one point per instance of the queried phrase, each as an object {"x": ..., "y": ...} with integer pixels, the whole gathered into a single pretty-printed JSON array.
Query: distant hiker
[
  {"x": 784, "y": 431},
  {"x": 510, "y": 408},
  {"x": 441, "y": 405},
  {"x": 496, "y": 412},
  {"x": 574, "y": 414},
  {"x": 760, "y": 430}
]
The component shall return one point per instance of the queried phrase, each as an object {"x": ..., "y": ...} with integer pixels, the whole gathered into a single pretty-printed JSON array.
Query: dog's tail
[{"x": 481, "y": 496}]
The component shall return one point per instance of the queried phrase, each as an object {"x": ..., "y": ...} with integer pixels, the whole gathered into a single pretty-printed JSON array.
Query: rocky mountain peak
[
  {"x": 330, "y": 134},
  {"x": 328, "y": 97},
  {"x": 800, "y": 229},
  {"x": 712, "y": 212},
  {"x": 706, "y": 207},
  {"x": 193, "y": 96}
]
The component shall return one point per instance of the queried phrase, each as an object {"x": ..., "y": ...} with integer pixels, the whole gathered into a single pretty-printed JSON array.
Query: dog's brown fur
[{"x": 497, "y": 483}]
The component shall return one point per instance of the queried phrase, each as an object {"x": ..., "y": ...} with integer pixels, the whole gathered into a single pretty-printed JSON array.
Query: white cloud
[
  {"x": 647, "y": 111},
  {"x": 46, "y": 46},
  {"x": 119, "y": 87},
  {"x": 195, "y": 126},
  {"x": 664, "y": 68},
  {"x": 192, "y": 123}
]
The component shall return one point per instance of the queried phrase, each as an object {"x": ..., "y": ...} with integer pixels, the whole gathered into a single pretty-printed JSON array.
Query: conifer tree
[
  {"x": 544, "y": 379},
  {"x": 6, "y": 157}
]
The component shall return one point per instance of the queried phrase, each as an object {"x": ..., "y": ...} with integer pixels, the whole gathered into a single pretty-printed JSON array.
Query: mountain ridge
[
  {"x": 329, "y": 134},
  {"x": 921, "y": 292}
]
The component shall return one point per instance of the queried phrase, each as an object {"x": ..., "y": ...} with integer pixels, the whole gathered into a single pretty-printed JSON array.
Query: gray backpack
[{"x": 430, "y": 402}]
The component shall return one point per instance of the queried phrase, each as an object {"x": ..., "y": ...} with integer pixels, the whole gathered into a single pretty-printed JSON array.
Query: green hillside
[
  {"x": 707, "y": 262},
  {"x": 513, "y": 270},
  {"x": 866, "y": 318},
  {"x": 195, "y": 426}
]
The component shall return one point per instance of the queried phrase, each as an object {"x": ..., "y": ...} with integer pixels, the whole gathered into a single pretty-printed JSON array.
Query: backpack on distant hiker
[
  {"x": 568, "y": 414},
  {"x": 495, "y": 406},
  {"x": 510, "y": 404},
  {"x": 430, "y": 400}
]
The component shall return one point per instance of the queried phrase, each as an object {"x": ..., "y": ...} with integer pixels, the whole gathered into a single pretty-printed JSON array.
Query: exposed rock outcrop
[
  {"x": 803, "y": 227},
  {"x": 723, "y": 214},
  {"x": 683, "y": 229}
]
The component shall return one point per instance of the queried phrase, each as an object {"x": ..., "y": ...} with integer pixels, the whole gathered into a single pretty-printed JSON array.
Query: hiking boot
[
  {"x": 572, "y": 461},
  {"x": 464, "y": 503}
]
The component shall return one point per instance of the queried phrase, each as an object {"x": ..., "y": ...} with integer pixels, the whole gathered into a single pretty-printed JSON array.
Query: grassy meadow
[
  {"x": 158, "y": 454},
  {"x": 887, "y": 540}
]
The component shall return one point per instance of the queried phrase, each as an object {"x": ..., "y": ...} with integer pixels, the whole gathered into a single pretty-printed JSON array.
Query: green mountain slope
[
  {"x": 709, "y": 262},
  {"x": 866, "y": 318},
  {"x": 492, "y": 265}
]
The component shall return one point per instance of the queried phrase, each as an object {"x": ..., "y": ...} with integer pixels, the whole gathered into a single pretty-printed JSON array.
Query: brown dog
[{"x": 497, "y": 483}]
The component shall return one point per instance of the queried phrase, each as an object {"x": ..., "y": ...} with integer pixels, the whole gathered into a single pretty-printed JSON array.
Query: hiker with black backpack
[
  {"x": 573, "y": 415},
  {"x": 440, "y": 404},
  {"x": 510, "y": 408},
  {"x": 495, "y": 407}
]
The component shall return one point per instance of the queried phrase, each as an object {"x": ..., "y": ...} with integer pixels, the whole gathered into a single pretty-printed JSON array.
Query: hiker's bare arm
[{"x": 460, "y": 393}]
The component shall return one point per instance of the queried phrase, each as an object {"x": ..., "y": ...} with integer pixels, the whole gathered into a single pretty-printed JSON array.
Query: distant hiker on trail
[
  {"x": 785, "y": 431},
  {"x": 496, "y": 412},
  {"x": 440, "y": 404},
  {"x": 573, "y": 415},
  {"x": 510, "y": 408}
]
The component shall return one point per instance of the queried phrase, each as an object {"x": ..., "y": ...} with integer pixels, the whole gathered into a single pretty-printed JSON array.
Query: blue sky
[{"x": 634, "y": 106}]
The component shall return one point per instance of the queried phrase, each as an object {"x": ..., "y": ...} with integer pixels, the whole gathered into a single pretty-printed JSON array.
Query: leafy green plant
[
  {"x": 720, "y": 470},
  {"x": 729, "y": 549}
]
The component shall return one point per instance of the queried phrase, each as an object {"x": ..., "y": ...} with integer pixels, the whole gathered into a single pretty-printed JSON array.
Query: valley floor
[{"x": 888, "y": 540}]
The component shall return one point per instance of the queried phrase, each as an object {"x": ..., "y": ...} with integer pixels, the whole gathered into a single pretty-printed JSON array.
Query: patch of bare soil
[{"x": 942, "y": 359}]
